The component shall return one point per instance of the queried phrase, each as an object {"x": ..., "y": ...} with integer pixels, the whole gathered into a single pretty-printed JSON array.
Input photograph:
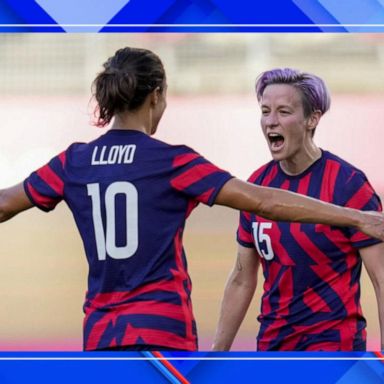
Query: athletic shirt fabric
[
  {"x": 311, "y": 298},
  {"x": 130, "y": 195}
]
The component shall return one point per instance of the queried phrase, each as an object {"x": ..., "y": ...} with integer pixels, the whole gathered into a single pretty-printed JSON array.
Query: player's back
[
  {"x": 131, "y": 221},
  {"x": 130, "y": 195},
  {"x": 119, "y": 190}
]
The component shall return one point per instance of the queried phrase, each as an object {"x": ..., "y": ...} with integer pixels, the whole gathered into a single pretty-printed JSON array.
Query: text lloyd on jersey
[{"x": 116, "y": 154}]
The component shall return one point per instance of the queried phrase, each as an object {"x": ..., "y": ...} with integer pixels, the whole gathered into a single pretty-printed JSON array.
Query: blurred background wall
[{"x": 45, "y": 105}]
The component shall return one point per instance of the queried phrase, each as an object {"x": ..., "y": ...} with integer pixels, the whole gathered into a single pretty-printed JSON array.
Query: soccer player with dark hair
[
  {"x": 130, "y": 196},
  {"x": 311, "y": 298}
]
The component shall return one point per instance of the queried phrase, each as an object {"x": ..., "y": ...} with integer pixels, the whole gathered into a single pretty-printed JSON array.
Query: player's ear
[
  {"x": 313, "y": 120},
  {"x": 155, "y": 96}
]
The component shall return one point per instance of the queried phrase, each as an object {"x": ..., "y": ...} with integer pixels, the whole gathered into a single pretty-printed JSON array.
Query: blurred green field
[{"x": 43, "y": 280}]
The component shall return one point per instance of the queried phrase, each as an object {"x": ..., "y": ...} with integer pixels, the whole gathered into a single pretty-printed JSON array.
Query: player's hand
[{"x": 373, "y": 224}]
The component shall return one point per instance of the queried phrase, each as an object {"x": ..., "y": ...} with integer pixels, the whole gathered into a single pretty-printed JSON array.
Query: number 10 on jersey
[{"x": 106, "y": 240}]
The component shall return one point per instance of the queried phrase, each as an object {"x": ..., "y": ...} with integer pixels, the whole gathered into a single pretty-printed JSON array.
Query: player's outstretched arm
[
  {"x": 238, "y": 294},
  {"x": 12, "y": 201},
  {"x": 280, "y": 205},
  {"x": 373, "y": 258}
]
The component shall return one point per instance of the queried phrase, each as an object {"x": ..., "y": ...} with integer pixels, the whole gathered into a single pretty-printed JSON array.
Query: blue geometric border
[
  {"x": 133, "y": 367},
  {"x": 191, "y": 16}
]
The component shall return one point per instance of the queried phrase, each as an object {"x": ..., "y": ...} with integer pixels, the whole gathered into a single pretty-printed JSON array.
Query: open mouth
[{"x": 276, "y": 140}]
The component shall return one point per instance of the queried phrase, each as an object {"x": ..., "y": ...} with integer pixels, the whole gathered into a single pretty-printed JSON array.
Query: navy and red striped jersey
[
  {"x": 311, "y": 298},
  {"x": 130, "y": 195}
]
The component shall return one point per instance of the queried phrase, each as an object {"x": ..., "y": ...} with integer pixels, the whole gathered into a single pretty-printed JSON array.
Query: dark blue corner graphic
[
  {"x": 28, "y": 12},
  {"x": 263, "y": 12},
  {"x": 8, "y": 15},
  {"x": 170, "y": 12}
]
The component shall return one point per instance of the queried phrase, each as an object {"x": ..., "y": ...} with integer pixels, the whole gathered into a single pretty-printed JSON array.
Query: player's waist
[{"x": 162, "y": 291}]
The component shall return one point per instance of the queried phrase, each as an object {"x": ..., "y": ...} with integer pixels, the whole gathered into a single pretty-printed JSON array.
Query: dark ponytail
[{"x": 128, "y": 77}]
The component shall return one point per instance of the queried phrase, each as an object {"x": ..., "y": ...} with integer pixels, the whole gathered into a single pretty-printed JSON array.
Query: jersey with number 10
[
  {"x": 311, "y": 297},
  {"x": 130, "y": 195}
]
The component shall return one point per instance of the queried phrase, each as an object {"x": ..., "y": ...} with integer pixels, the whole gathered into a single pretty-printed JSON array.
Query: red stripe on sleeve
[
  {"x": 361, "y": 197},
  {"x": 181, "y": 160},
  {"x": 359, "y": 236},
  {"x": 41, "y": 200},
  {"x": 244, "y": 235},
  {"x": 51, "y": 179},
  {"x": 62, "y": 157},
  {"x": 193, "y": 175},
  {"x": 204, "y": 197}
]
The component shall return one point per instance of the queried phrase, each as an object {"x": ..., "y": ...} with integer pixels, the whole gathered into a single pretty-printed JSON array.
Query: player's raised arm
[
  {"x": 12, "y": 201},
  {"x": 281, "y": 205}
]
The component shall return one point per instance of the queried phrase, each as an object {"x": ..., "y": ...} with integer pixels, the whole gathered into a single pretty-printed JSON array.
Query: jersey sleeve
[
  {"x": 244, "y": 231},
  {"x": 359, "y": 194},
  {"x": 197, "y": 178},
  {"x": 45, "y": 186}
]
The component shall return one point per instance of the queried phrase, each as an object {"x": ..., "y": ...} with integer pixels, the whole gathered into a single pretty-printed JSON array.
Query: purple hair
[{"x": 314, "y": 92}]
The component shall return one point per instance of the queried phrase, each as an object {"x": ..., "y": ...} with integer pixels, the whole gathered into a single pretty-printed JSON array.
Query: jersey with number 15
[
  {"x": 311, "y": 297},
  {"x": 130, "y": 195}
]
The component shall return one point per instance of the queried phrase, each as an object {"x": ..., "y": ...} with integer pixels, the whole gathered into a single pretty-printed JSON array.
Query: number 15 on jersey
[{"x": 261, "y": 237}]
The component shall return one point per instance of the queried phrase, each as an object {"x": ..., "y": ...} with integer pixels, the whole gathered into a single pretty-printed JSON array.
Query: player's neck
[
  {"x": 301, "y": 161},
  {"x": 132, "y": 122}
]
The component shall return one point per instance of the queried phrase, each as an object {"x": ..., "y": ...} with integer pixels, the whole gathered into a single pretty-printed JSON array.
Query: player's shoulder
[
  {"x": 76, "y": 149},
  {"x": 150, "y": 142},
  {"x": 181, "y": 150},
  {"x": 174, "y": 150},
  {"x": 346, "y": 170},
  {"x": 75, "y": 154}
]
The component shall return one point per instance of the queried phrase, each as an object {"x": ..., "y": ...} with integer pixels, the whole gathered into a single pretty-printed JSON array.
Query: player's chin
[{"x": 278, "y": 156}]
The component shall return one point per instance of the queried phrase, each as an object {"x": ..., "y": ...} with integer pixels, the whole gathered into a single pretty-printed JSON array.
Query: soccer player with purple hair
[
  {"x": 130, "y": 195},
  {"x": 311, "y": 298}
]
